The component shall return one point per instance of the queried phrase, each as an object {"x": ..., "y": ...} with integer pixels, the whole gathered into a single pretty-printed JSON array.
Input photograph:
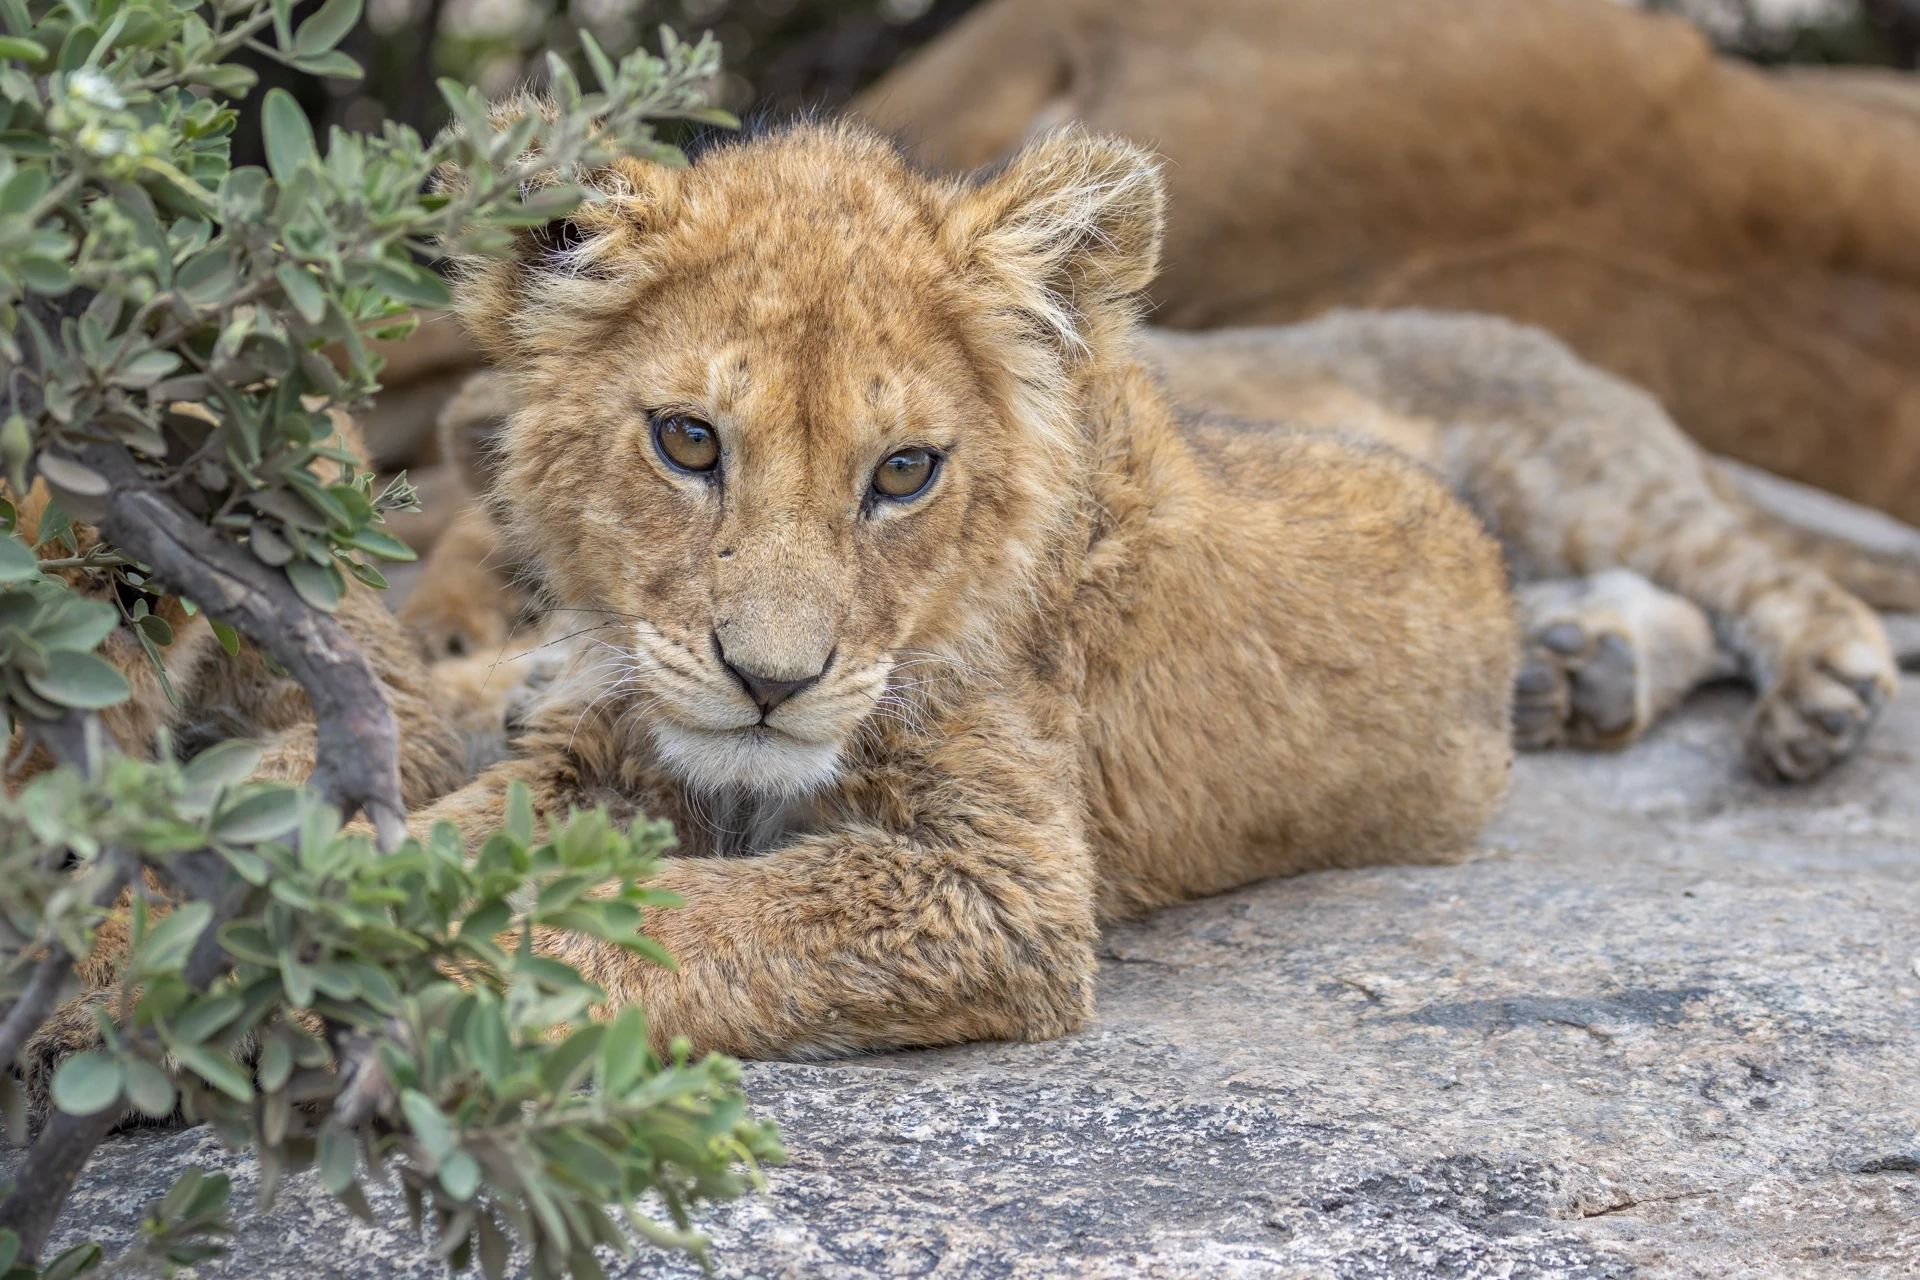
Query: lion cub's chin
[{"x": 755, "y": 759}]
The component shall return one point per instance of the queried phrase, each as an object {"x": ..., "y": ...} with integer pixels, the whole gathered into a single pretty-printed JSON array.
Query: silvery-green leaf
[
  {"x": 266, "y": 815},
  {"x": 146, "y": 369},
  {"x": 149, "y": 1089},
  {"x": 166, "y": 947},
  {"x": 303, "y": 291},
  {"x": 221, "y": 764},
  {"x": 87, "y": 1083},
  {"x": 288, "y": 136},
  {"x": 429, "y": 1124},
  {"x": 338, "y": 1156},
  {"x": 17, "y": 564},
  {"x": 25, "y": 188},
  {"x": 326, "y": 28},
  {"x": 75, "y": 623},
  {"x": 318, "y": 585},
  {"x": 79, "y": 487},
  {"x": 217, "y": 1069},
  {"x": 80, "y": 680},
  {"x": 333, "y": 64},
  {"x": 74, "y": 1262},
  {"x": 460, "y": 1175}
]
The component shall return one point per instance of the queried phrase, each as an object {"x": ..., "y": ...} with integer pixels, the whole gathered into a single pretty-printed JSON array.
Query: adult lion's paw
[{"x": 1819, "y": 710}]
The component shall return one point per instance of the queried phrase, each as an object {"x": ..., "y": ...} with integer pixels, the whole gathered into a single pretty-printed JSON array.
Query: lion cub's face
[{"x": 796, "y": 423}]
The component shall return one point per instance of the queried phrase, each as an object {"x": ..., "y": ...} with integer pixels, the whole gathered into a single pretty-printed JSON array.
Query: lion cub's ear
[
  {"x": 562, "y": 271},
  {"x": 1068, "y": 232}
]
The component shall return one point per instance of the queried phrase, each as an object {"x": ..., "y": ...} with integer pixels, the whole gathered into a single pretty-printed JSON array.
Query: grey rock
[{"x": 1663, "y": 1021}]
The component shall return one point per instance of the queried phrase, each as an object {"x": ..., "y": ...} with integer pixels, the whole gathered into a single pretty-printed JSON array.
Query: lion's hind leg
[
  {"x": 1603, "y": 657},
  {"x": 1580, "y": 473}
]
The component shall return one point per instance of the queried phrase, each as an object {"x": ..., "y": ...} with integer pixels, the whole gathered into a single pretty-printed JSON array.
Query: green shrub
[{"x": 372, "y": 1008}]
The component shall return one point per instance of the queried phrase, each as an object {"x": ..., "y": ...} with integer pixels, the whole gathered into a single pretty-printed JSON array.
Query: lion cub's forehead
[
  {"x": 805, "y": 276},
  {"x": 798, "y": 282},
  {"x": 803, "y": 219}
]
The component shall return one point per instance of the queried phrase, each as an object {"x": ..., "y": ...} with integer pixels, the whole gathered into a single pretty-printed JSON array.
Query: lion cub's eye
[
  {"x": 686, "y": 442},
  {"x": 906, "y": 474}
]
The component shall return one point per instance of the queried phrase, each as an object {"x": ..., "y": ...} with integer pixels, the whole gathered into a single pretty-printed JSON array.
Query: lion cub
[
  {"x": 902, "y": 588},
  {"x": 915, "y": 606},
  {"x": 1642, "y": 572}
]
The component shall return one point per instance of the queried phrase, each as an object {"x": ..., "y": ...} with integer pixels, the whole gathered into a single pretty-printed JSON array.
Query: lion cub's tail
[{"x": 1871, "y": 554}]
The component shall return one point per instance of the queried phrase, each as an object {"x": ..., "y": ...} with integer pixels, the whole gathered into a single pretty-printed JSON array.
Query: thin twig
[
  {"x": 91, "y": 560},
  {"x": 37, "y": 1001},
  {"x": 68, "y": 1142}
]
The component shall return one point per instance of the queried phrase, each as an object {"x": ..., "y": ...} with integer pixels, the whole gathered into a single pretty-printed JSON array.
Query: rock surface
[{"x": 1663, "y": 1022}]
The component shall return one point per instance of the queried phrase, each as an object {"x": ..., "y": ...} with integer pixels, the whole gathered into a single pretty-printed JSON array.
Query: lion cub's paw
[
  {"x": 1819, "y": 710},
  {"x": 1604, "y": 657}
]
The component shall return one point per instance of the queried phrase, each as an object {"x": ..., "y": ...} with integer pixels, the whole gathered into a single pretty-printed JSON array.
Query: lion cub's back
[{"x": 1318, "y": 672}]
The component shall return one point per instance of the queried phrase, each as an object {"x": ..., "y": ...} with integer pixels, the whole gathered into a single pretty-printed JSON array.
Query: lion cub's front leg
[
  {"x": 952, "y": 901},
  {"x": 1825, "y": 670},
  {"x": 863, "y": 939}
]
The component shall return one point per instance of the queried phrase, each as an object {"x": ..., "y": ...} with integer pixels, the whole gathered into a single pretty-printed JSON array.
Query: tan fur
[
  {"x": 1741, "y": 247},
  {"x": 471, "y": 611},
  {"x": 1108, "y": 662},
  {"x": 470, "y": 605},
  {"x": 1883, "y": 570},
  {"x": 473, "y": 601},
  {"x": 1635, "y": 551}
]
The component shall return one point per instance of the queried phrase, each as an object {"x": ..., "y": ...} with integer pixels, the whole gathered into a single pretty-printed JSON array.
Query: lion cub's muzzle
[{"x": 775, "y": 724}]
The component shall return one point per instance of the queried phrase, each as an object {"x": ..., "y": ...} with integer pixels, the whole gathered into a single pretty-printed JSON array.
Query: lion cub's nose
[{"x": 767, "y": 692}]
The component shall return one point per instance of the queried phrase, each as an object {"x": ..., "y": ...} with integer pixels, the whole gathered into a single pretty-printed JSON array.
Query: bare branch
[
  {"x": 49, "y": 1174},
  {"x": 358, "y": 748}
]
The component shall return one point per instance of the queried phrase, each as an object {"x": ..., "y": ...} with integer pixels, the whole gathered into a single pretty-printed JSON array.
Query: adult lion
[{"x": 1747, "y": 252}]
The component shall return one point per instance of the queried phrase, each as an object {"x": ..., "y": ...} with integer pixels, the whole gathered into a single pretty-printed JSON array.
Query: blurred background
[
  {"x": 1719, "y": 374},
  {"x": 1868, "y": 32},
  {"x": 782, "y": 55}
]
